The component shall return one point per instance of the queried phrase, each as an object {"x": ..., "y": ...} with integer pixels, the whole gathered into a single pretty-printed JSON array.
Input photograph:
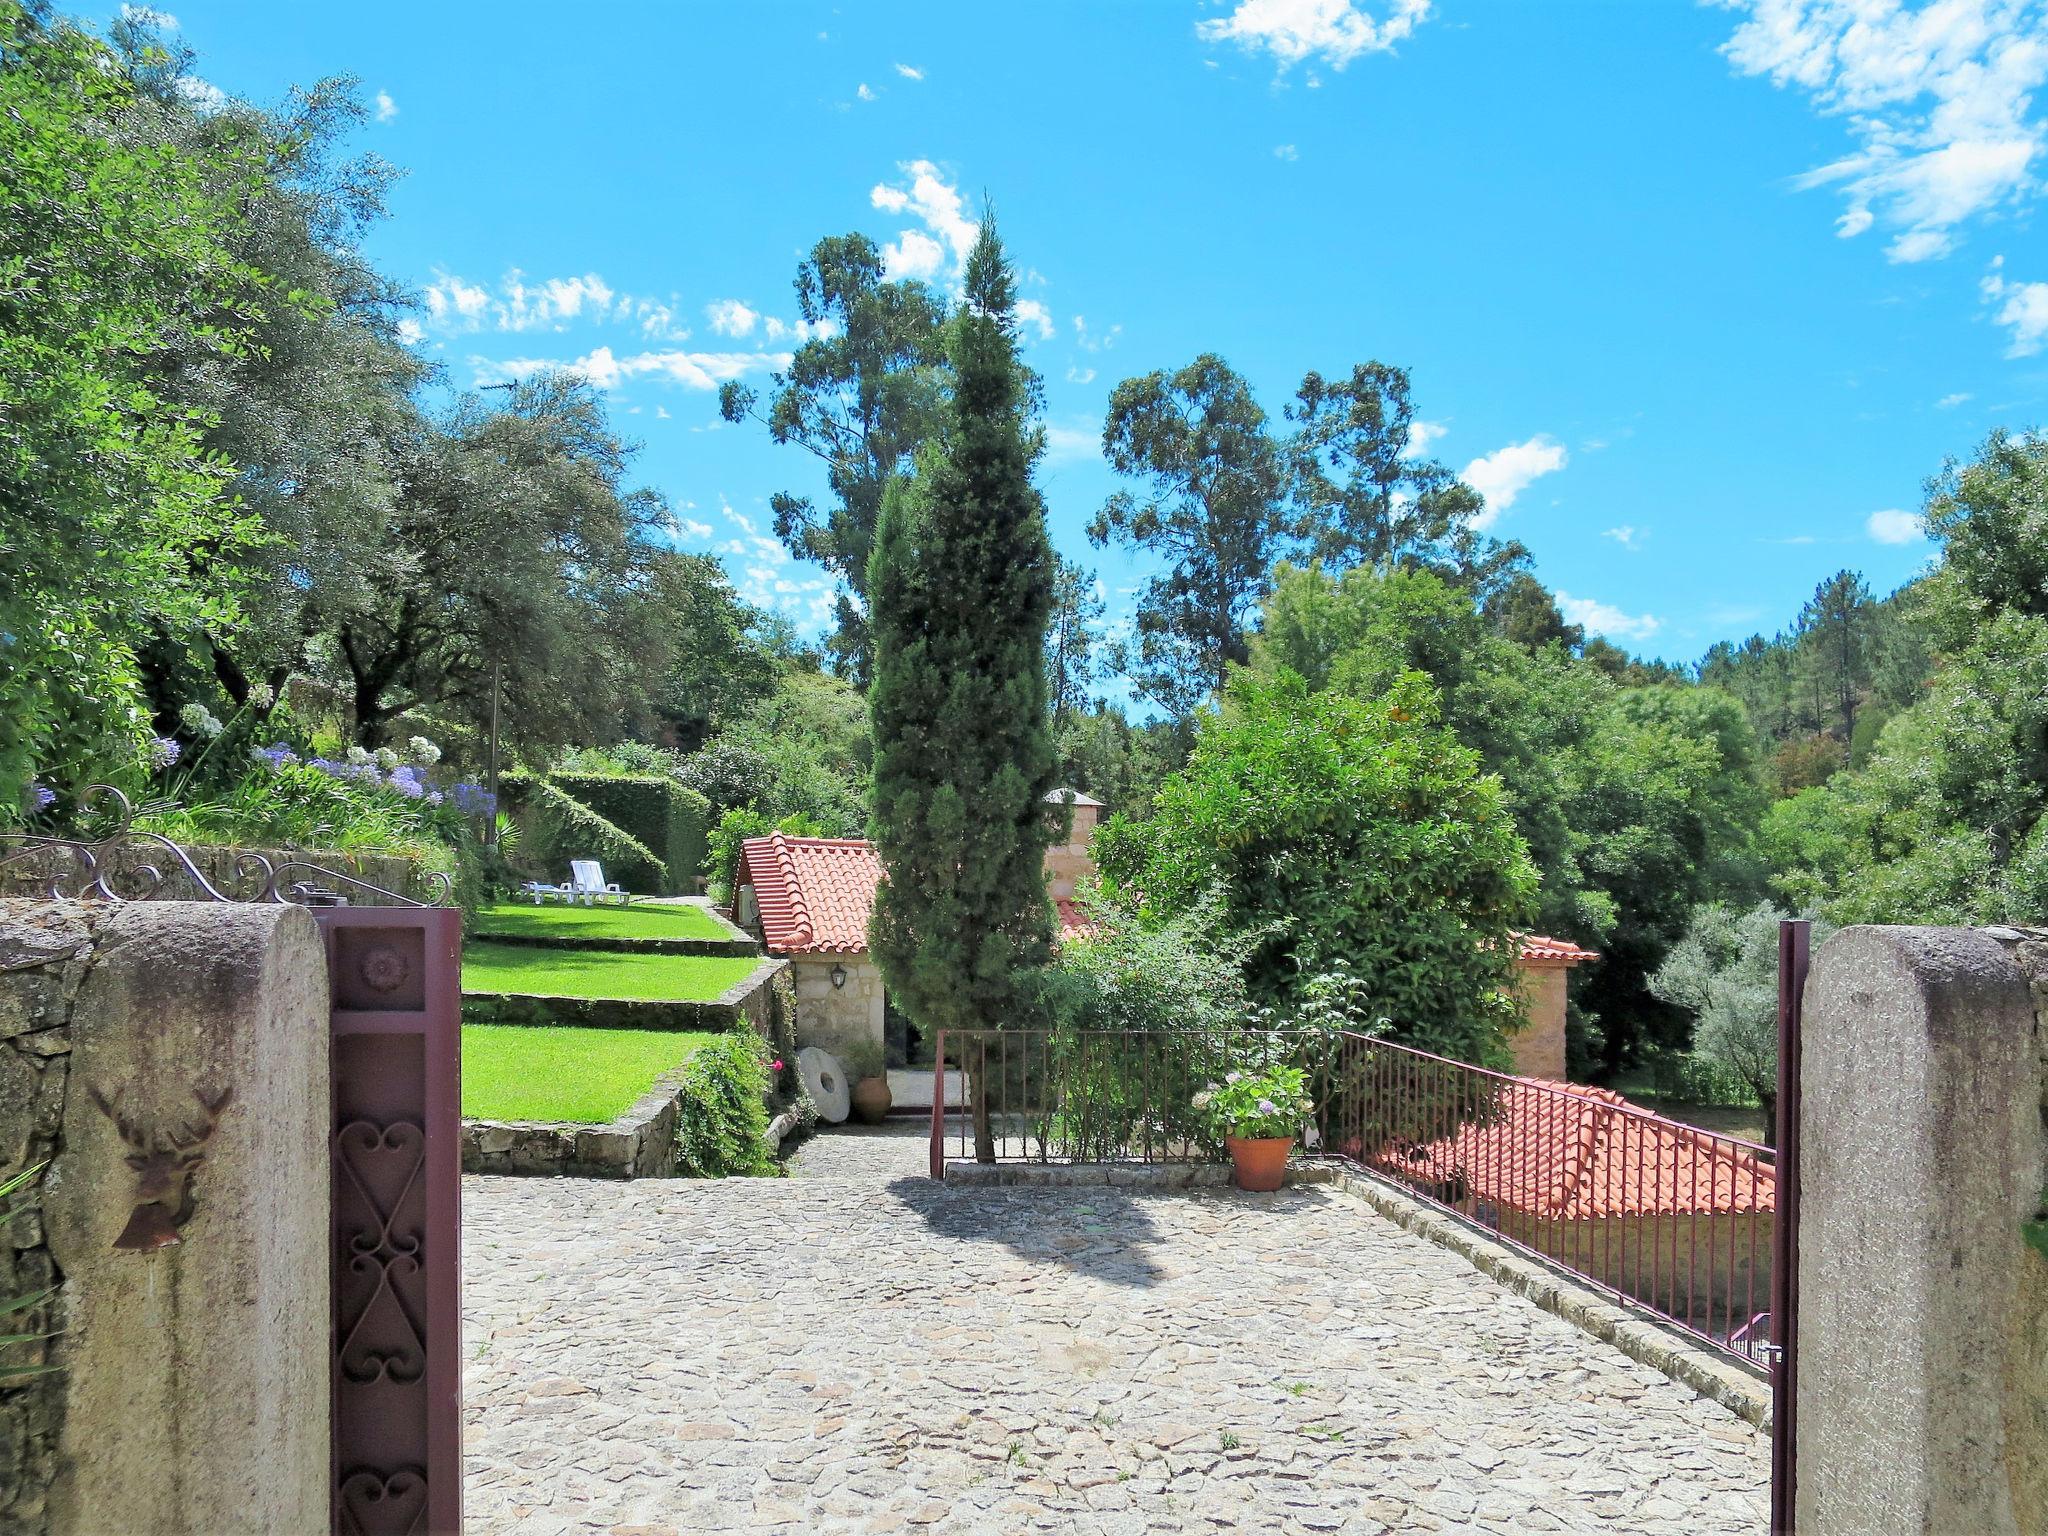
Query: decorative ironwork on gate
[{"x": 394, "y": 978}]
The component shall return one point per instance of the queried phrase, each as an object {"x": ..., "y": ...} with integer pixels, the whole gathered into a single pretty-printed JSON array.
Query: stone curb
[
  {"x": 1687, "y": 1364},
  {"x": 732, "y": 948}
]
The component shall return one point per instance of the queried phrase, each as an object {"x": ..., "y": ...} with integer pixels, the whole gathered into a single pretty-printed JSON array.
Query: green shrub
[
  {"x": 722, "y": 1119},
  {"x": 734, "y": 828},
  {"x": 559, "y": 827},
  {"x": 662, "y": 814}
]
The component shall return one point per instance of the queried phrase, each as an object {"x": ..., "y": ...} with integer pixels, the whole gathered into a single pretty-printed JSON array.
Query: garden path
[{"x": 855, "y": 1349}]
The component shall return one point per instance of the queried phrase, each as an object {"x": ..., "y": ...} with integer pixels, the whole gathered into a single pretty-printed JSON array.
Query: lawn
[
  {"x": 517, "y": 1072},
  {"x": 641, "y": 922},
  {"x": 488, "y": 967}
]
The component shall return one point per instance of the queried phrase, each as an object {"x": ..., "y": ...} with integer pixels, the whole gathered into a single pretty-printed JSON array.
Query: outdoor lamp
[{"x": 838, "y": 976}]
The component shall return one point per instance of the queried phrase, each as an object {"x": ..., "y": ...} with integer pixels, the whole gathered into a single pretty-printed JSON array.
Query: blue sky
[{"x": 1698, "y": 294}]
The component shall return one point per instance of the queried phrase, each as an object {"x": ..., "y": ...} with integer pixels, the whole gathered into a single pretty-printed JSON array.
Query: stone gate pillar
[
  {"x": 169, "y": 1060},
  {"x": 1923, "y": 1326}
]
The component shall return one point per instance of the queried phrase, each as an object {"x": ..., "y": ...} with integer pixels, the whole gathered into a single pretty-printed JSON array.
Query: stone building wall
[
  {"x": 1070, "y": 863},
  {"x": 1538, "y": 1047},
  {"x": 191, "y": 1335},
  {"x": 832, "y": 1016}
]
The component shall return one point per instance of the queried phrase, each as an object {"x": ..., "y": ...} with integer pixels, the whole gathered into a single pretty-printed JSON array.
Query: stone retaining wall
[
  {"x": 733, "y": 948},
  {"x": 406, "y": 874},
  {"x": 640, "y": 1144}
]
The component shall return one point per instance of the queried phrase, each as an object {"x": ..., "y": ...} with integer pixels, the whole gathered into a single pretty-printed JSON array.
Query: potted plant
[
  {"x": 1259, "y": 1113},
  {"x": 866, "y": 1070}
]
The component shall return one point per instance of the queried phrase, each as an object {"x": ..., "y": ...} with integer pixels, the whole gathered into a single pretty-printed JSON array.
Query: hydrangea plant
[{"x": 1254, "y": 1106}]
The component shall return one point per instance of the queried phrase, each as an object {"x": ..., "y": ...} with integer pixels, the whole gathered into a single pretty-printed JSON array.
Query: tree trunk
[{"x": 1770, "y": 1104}]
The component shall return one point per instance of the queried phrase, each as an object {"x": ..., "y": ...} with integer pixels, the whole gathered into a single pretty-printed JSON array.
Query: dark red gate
[{"x": 395, "y": 978}]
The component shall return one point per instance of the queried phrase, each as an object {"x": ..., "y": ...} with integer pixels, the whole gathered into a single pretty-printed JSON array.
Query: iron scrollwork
[{"x": 93, "y": 869}]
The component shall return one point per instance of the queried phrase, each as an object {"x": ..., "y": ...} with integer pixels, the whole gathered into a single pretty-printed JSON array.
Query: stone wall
[
  {"x": 640, "y": 1144},
  {"x": 832, "y": 1016},
  {"x": 192, "y": 1334},
  {"x": 1923, "y": 1321},
  {"x": 1070, "y": 863},
  {"x": 1538, "y": 1047},
  {"x": 749, "y": 1001}
]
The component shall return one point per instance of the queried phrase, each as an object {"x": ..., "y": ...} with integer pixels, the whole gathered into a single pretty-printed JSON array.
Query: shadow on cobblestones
[{"x": 1101, "y": 1233}]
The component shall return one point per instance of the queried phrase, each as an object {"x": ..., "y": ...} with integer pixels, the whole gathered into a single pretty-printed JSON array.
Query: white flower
[
  {"x": 386, "y": 759},
  {"x": 262, "y": 696},
  {"x": 422, "y": 752},
  {"x": 1231, "y": 1077},
  {"x": 361, "y": 757},
  {"x": 199, "y": 720}
]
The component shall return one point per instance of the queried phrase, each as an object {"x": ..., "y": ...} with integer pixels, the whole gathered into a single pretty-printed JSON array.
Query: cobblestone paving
[{"x": 852, "y": 1350}]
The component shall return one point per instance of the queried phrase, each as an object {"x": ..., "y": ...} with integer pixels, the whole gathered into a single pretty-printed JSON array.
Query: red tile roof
[
  {"x": 1536, "y": 949},
  {"x": 1072, "y": 918},
  {"x": 1570, "y": 1153},
  {"x": 815, "y": 894}
]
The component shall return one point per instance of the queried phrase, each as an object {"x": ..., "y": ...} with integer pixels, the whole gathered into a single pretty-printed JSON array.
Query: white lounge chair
[
  {"x": 539, "y": 891},
  {"x": 588, "y": 885}
]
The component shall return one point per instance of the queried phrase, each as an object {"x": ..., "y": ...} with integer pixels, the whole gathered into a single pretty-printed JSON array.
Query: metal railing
[{"x": 1669, "y": 1217}]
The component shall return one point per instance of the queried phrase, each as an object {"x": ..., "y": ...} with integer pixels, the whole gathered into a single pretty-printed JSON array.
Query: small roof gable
[
  {"x": 1069, "y": 797},
  {"x": 1536, "y": 949},
  {"x": 815, "y": 894}
]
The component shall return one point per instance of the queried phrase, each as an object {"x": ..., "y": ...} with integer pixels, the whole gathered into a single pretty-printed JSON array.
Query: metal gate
[
  {"x": 395, "y": 992},
  {"x": 1794, "y": 941}
]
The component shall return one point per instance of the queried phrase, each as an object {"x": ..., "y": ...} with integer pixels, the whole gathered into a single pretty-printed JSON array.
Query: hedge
[
  {"x": 661, "y": 813},
  {"x": 558, "y": 827}
]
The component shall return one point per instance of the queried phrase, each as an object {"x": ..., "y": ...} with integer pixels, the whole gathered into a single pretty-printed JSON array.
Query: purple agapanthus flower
[
  {"x": 163, "y": 752},
  {"x": 40, "y": 796},
  {"x": 277, "y": 754}
]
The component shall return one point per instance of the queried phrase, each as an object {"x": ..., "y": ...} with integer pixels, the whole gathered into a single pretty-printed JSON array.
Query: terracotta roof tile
[
  {"x": 1538, "y": 948},
  {"x": 815, "y": 894},
  {"x": 1572, "y": 1153},
  {"x": 1073, "y": 919}
]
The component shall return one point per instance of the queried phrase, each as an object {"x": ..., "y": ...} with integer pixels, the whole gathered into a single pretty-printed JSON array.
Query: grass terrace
[
  {"x": 590, "y": 1076},
  {"x": 678, "y": 920},
  {"x": 663, "y": 978}
]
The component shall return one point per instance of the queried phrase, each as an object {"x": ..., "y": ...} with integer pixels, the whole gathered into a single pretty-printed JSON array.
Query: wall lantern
[{"x": 838, "y": 976}]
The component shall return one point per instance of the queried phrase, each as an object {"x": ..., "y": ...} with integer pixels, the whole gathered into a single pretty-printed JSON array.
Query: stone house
[{"x": 809, "y": 899}]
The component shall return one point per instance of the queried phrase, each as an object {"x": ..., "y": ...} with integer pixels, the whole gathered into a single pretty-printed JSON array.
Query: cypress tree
[{"x": 960, "y": 587}]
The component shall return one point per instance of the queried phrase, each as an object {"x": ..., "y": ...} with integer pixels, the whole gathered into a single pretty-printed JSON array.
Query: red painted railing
[{"x": 1674, "y": 1219}]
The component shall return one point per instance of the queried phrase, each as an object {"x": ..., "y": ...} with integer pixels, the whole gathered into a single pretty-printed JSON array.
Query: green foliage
[
  {"x": 960, "y": 591},
  {"x": 114, "y": 520},
  {"x": 295, "y": 805},
  {"x": 1179, "y": 973},
  {"x": 655, "y": 811},
  {"x": 1344, "y": 829},
  {"x": 559, "y": 827},
  {"x": 1944, "y": 822},
  {"x": 1213, "y": 510},
  {"x": 1259, "y": 1102},
  {"x": 863, "y": 395},
  {"x": 722, "y": 1124},
  {"x": 12, "y": 1204},
  {"x": 1724, "y": 973}
]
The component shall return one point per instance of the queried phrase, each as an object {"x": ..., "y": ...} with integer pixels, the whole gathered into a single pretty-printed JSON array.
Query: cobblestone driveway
[{"x": 855, "y": 1350}]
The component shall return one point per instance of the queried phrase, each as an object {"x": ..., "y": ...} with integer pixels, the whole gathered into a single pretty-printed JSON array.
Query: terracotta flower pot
[
  {"x": 1260, "y": 1164},
  {"x": 871, "y": 1100}
]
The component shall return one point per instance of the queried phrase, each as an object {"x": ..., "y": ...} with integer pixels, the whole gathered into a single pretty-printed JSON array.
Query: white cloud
[
  {"x": 1628, "y": 536},
  {"x": 1089, "y": 341},
  {"x": 864, "y": 94},
  {"x": 765, "y": 574},
  {"x": 1950, "y": 402},
  {"x": 1286, "y": 152},
  {"x": 661, "y": 413},
  {"x": 1079, "y": 375},
  {"x": 938, "y": 205},
  {"x": 1505, "y": 473},
  {"x": 689, "y": 527},
  {"x": 1892, "y": 526},
  {"x": 1938, "y": 100},
  {"x": 729, "y": 317},
  {"x": 1080, "y": 438},
  {"x": 909, "y": 73},
  {"x": 1034, "y": 316},
  {"x": 1422, "y": 433},
  {"x": 204, "y": 95},
  {"x": 411, "y": 332},
  {"x": 387, "y": 109},
  {"x": 455, "y": 304},
  {"x": 1333, "y": 32},
  {"x": 606, "y": 370},
  {"x": 2023, "y": 310},
  {"x": 1606, "y": 619},
  {"x": 149, "y": 16}
]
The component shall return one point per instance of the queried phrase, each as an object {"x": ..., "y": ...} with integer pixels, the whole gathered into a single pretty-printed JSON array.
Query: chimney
[{"x": 1068, "y": 864}]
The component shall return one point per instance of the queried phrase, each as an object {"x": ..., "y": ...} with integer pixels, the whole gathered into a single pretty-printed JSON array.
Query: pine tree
[{"x": 960, "y": 587}]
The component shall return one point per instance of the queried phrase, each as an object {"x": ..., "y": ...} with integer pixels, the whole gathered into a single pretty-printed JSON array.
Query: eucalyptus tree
[
  {"x": 861, "y": 393},
  {"x": 1211, "y": 505}
]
